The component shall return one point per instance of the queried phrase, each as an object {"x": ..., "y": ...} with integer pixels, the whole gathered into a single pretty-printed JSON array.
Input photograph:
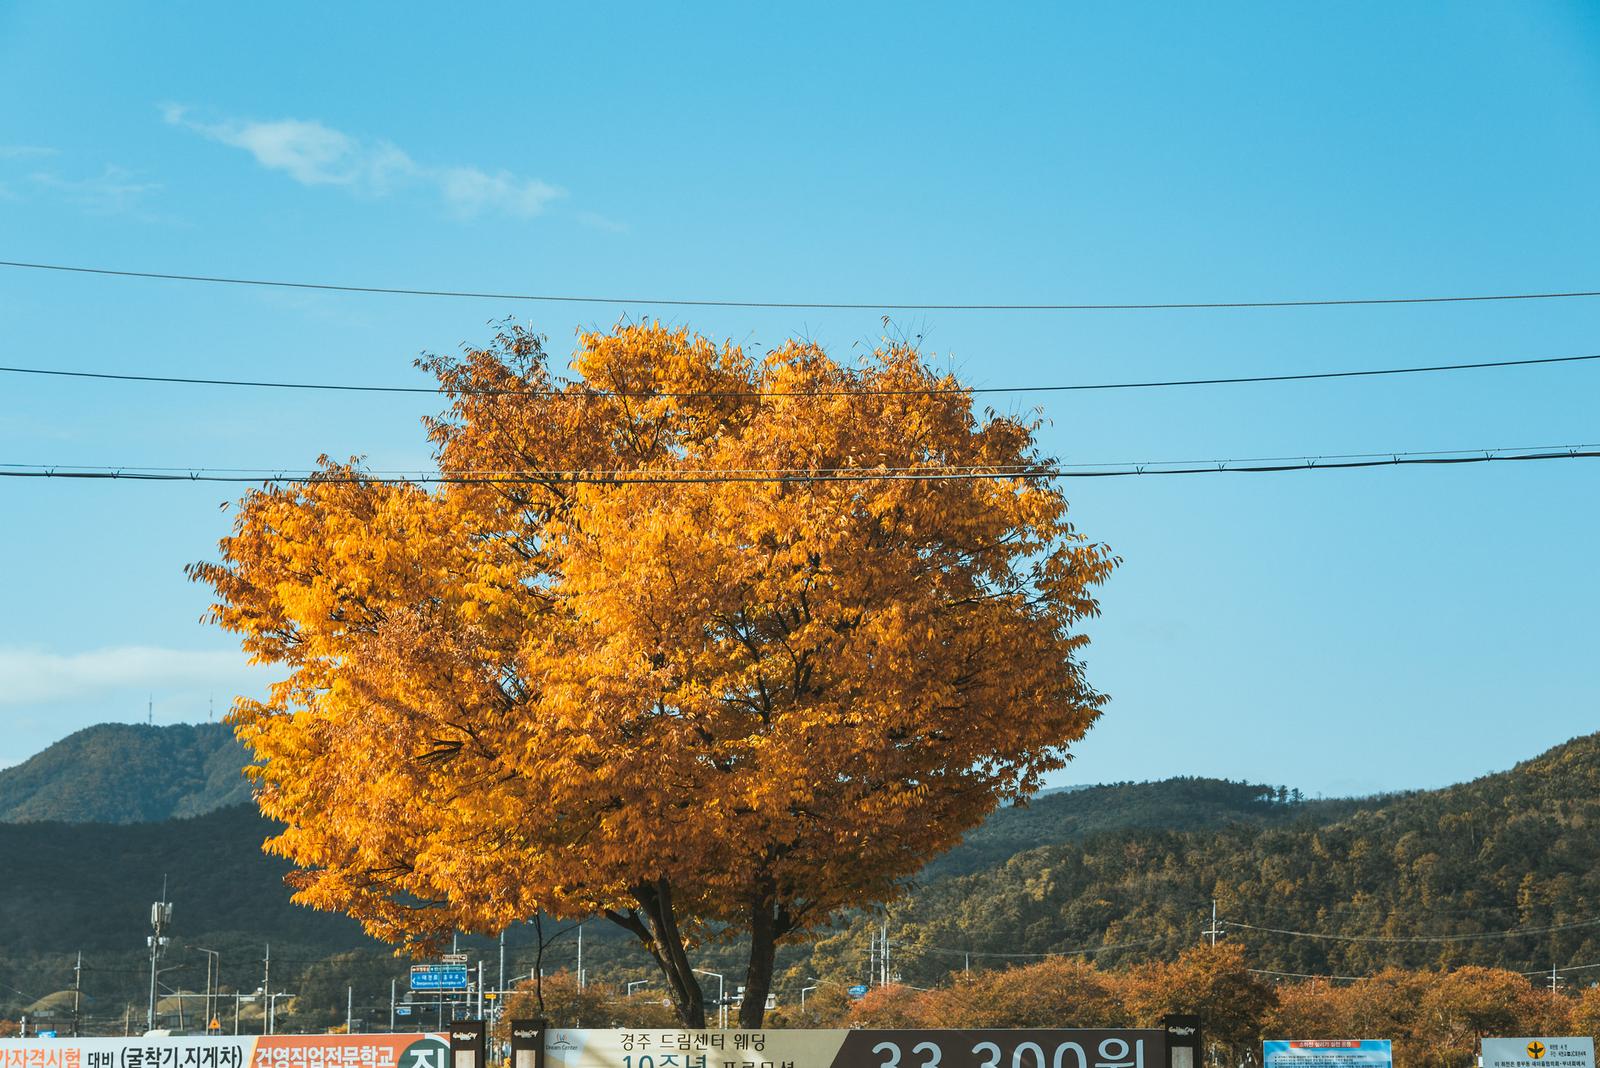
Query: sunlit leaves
[{"x": 544, "y": 691}]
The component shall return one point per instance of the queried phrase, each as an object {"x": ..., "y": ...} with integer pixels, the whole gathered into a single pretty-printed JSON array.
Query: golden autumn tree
[{"x": 711, "y": 645}]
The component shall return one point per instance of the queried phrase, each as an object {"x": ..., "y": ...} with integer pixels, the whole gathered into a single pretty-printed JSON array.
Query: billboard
[
  {"x": 230, "y": 1051},
  {"x": 855, "y": 1048},
  {"x": 1328, "y": 1053},
  {"x": 1538, "y": 1052}
]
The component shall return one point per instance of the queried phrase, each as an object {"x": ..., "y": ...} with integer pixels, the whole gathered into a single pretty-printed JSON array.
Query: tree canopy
[{"x": 712, "y": 645}]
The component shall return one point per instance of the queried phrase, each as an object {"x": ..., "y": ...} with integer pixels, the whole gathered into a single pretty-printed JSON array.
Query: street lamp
[
  {"x": 211, "y": 1002},
  {"x": 637, "y": 982},
  {"x": 803, "y": 992},
  {"x": 722, "y": 1004}
]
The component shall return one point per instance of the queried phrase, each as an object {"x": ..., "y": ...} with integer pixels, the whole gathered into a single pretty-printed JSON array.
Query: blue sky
[{"x": 1343, "y": 632}]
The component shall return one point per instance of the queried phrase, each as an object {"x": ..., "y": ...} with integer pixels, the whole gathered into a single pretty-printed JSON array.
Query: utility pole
[
  {"x": 501, "y": 986},
  {"x": 213, "y": 986},
  {"x": 392, "y": 983},
  {"x": 349, "y": 1009},
  {"x": 884, "y": 956},
  {"x": 1555, "y": 982},
  {"x": 1214, "y": 930},
  {"x": 77, "y": 992},
  {"x": 580, "y": 956},
  {"x": 266, "y": 986},
  {"x": 160, "y": 920}
]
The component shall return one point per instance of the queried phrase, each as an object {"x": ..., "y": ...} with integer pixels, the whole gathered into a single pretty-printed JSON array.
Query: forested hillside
[
  {"x": 1427, "y": 879},
  {"x": 1431, "y": 878},
  {"x": 1183, "y": 804},
  {"x": 127, "y": 773}
]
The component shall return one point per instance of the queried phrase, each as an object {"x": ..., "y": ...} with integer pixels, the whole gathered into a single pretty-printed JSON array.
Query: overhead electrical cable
[
  {"x": 945, "y": 951},
  {"x": 552, "y": 298},
  {"x": 1407, "y": 939},
  {"x": 1568, "y": 968},
  {"x": 402, "y": 474},
  {"x": 605, "y": 394},
  {"x": 667, "y": 476}
]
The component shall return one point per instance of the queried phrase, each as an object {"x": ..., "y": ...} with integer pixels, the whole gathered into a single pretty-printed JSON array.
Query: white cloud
[
  {"x": 471, "y": 191},
  {"x": 314, "y": 154},
  {"x": 34, "y": 677},
  {"x": 596, "y": 221},
  {"x": 113, "y": 191},
  {"x": 25, "y": 151}
]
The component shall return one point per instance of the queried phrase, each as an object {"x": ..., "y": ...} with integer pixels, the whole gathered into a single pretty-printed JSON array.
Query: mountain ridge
[{"x": 127, "y": 773}]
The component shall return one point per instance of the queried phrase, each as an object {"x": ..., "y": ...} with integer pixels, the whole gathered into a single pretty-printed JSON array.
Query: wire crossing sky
[
  {"x": 1260, "y": 232},
  {"x": 601, "y": 394},
  {"x": 690, "y": 302}
]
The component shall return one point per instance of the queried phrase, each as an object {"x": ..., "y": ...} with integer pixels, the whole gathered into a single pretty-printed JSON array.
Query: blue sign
[
  {"x": 402, "y": 1010},
  {"x": 438, "y": 977},
  {"x": 1328, "y": 1053},
  {"x": 857, "y": 991},
  {"x": 44, "y": 1034}
]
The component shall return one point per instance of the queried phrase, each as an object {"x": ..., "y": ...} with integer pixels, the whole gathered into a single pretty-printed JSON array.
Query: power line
[
  {"x": 907, "y": 474},
  {"x": 804, "y": 305},
  {"x": 590, "y": 395},
  {"x": 1089, "y": 950},
  {"x": 1568, "y": 968},
  {"x": 1399, "y": 939},
  {"x": 1308, "y": 975}
]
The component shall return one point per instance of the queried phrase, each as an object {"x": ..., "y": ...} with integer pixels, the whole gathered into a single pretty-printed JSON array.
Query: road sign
[
  {"x": 857, "y": 991},
  {"x": 402, "y": 1010},
  {"x": 1538, "y": 1052},
  {"x": 453, "y": 958},
  {"x": 438, "y": 977}
]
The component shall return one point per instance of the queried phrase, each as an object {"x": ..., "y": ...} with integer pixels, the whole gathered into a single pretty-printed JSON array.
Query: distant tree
[
  {"x": 1586, "y": 1013},
  {"x": 893, "y": 1005},
  {"x": 827, "y": 1006},
  {"x": 1059, "y": 992},
  {"x": 603, "y": 683},
  {"x": 566, "y": 1004},
  {"x": 1214, "y": 982},
  {"x": 1458, "y": 1008}
]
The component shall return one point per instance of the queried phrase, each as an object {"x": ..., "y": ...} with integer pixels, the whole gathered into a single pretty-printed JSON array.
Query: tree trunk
[
  {"x": 764, "y": 931},
  {"x": 656, "y": 925}
]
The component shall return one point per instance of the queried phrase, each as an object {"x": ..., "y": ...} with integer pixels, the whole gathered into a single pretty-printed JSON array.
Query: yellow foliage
[{"x": 679, "y": 703}]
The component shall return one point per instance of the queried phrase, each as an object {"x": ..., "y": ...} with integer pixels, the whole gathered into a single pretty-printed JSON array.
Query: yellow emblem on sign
[{"x": 1536, "y": 1049}]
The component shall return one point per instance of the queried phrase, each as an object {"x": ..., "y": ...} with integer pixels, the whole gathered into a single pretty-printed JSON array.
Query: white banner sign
[
  {"x": 1554, "y": 1052},
  {"x": 855, "y": 1048}
]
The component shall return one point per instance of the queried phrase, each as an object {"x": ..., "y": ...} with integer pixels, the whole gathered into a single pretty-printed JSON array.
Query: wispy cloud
[
  {"x": 113, "y": 191},
  {"x": 25, "y": 151},
  {"x": 596, "y": 221},
  {"x": 314, "y": 154},
  {"x": 33, "y": 676}
]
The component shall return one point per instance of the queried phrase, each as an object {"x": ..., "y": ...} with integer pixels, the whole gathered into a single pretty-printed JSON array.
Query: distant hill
[
  {"x": 1427, "y": 878},
  {"x": 127, "y": 773},
  {"x": 1502, "y": 871},
  {"x": 89, "y": 886},
  {"x": 1181, "y": 804}
]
